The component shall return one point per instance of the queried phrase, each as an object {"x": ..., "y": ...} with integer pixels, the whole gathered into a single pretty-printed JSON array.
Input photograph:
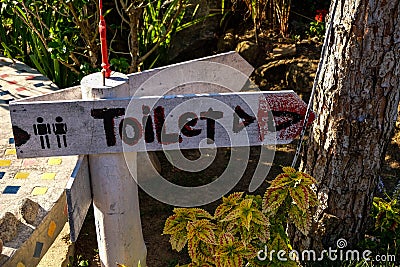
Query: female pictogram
[{"x": 60, "y": 130}]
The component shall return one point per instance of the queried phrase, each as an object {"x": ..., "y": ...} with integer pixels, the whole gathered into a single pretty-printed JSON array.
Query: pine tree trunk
[{"x": 356, "y": 102}]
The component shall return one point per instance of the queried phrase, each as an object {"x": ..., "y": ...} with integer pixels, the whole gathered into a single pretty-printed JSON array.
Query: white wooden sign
[{"x": 78, "y": 127}]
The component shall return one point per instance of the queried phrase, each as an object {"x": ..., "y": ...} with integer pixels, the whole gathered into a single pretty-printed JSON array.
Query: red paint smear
[
  {"x": 283, "y": 102},
  {"x": 4, "y": 75},
  {"x": 12, "y": 82},
  {"x": 262, "y": 115},
  {"x": 30, "y": 77},
  {"x": 19, "y": 89}
]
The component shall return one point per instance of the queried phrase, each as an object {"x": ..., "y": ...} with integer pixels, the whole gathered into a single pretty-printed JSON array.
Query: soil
[{"x": 274, "y": 72}]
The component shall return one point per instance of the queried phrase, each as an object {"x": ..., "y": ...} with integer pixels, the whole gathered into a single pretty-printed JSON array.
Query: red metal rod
[{"x": 103, "y": 43}]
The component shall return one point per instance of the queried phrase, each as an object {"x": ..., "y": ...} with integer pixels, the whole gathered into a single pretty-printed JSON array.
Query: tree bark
[{"x": 356, "y": 101}]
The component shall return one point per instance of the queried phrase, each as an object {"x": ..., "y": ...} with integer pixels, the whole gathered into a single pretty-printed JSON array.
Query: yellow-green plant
[
  {"x": 291, "y": 193},
  {"x": 244, "y": 224},
  {"x": 387, "y": 224},
  {"x": 289, "y": 198}
]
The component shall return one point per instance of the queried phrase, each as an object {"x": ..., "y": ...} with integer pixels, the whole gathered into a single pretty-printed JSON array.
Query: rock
[
  {"x": 227, "y": 41},
  {"x": 29, "y": 210},
  {"x": 293, "y": 74},
  {"x": 271, "y": 76},
  {"x": 1, "y": 246},
  {"x": 300, "y": 76},
  {"x": 284, "y": 50},
  {"x": 8, "y": 227},
  {"x": 251, "y": 52}
]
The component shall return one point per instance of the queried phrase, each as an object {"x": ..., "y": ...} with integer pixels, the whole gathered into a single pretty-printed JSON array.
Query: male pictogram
[
  {"x": 60, "y": 130},
  {"x": 43, "y": 130}
]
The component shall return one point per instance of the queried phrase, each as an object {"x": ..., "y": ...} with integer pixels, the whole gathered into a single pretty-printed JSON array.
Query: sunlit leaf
[
  {"x": 203, "y": 230},
  {"x": 228, "y": 203},
  {"x": 289, "y": 170},
  {"x": 281, "y": 180},
  {"x": 232, "y": 215},
  {"x": 174, "y": 224},
  {"x": 301, "y": 219},
  {"x": 308, "y": 179},
  {"x": 192, "y": 248},
  {"x": 178, "y": 241},
  {"x": 273, "y": 198},
  {"x": 229, "y": 252},
  {"x": 299, "y": 195}
]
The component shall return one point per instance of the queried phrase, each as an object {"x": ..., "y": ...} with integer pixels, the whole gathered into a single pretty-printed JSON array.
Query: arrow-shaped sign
[{"x": 154, "y": 123}]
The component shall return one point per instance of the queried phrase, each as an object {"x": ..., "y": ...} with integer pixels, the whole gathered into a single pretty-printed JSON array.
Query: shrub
[{"x": 243, "y": 225}]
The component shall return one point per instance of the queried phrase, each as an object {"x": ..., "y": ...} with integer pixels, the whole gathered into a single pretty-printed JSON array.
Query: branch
[
  {"x": 30, "y": 24},
  {"x": 119, "y": 11},
  {"x": 70, "y": 66}
]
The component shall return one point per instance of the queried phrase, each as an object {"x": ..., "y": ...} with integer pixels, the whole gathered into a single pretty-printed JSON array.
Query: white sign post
[
  {"x": 108, "y": 122},
  {"x": 114, "y": 191}
]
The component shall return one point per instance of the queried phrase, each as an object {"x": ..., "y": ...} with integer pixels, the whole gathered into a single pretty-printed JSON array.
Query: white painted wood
[
  {"x": 86, "y": 130},
  {"x": 79, "y": 196},
  {"x": 115, "y": 192},
  {"x": 68, "y": 93},
  {"x": 227, "y": 69}
]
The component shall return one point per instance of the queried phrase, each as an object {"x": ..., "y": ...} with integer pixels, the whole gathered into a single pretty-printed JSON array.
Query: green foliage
[
  {"x": 387, "y": 224},
  {"x": 317, "y": 29},
  {"x": 158, "y": 28},
  {"x": 242, "y": 224},
  {"x": 79, "y": 261},
  {"x": 261, "y": 12},
  {"x": 49, "y": 36},
  {"x": 291, "y": 193},
  {"x": 119, "y": 64},
  {"x": 60, "y": 37},
  {"x": 151, "y": 25}
]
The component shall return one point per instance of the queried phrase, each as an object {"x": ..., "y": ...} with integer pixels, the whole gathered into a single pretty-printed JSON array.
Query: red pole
[{"x": 103, "y": 43}]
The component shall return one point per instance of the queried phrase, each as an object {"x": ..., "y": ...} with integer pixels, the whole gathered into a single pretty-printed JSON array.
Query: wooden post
[{"x": 115, "y": 192}]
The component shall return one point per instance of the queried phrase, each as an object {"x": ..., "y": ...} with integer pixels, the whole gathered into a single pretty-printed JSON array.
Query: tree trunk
[{"x": 356, "y": 101}]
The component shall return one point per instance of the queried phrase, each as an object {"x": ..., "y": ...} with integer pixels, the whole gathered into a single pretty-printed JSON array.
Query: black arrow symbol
[
  {"x": 20, "y": 136},
  {"x": 295, "y": 118}
]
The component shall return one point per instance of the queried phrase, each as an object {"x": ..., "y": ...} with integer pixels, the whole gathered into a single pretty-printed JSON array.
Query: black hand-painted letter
[
  {"x": 162, "y": 136},
  {"x": 186, "y": 122},
  {"x": 108, "y": 115},
  {"x": 210, "y": 115}
]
